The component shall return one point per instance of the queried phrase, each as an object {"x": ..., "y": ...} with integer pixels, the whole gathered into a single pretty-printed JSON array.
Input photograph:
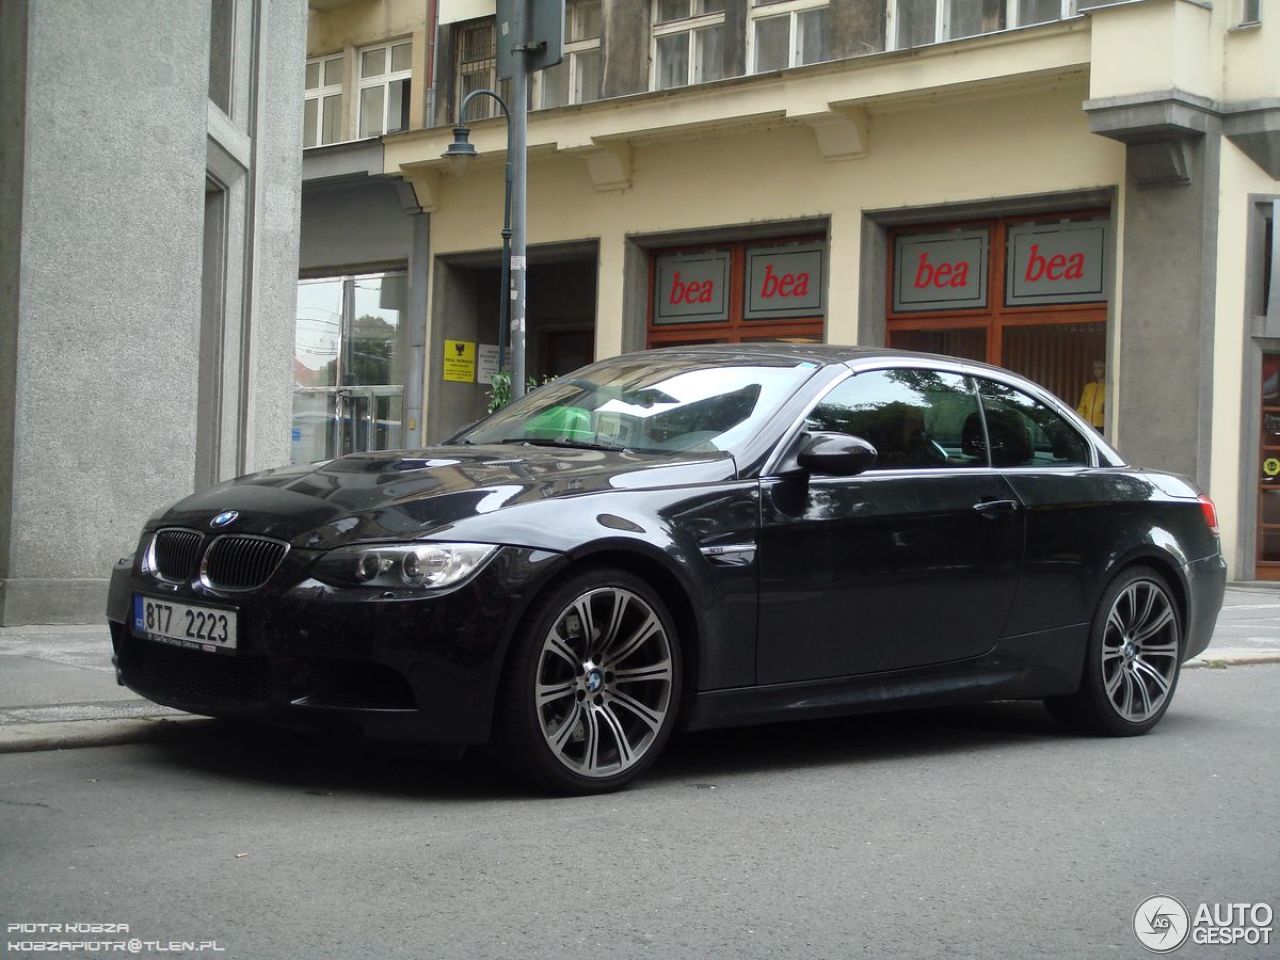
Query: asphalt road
[{"x": 983, "y": 832}]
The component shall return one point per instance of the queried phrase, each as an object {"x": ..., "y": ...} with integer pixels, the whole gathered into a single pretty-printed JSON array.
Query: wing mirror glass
[{"x": 838, "y": 454}]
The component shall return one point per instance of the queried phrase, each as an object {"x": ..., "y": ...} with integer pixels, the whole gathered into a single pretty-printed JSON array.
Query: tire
[
  {"x": 592, "y": 687},
  {"x": 1132, "y": 661}
]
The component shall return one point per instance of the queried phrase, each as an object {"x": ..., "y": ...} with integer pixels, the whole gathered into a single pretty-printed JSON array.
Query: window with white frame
[
  {"x": 1250, "y": 12},
  {"x": 385, "y": 72},
  {"x": 322, "y": 111},
  {"x": 787, "y": 33},
  {"x": 914, "y": 23},
  {"x": 688, "y": 42},
  {"x": 576, "y": 79}
]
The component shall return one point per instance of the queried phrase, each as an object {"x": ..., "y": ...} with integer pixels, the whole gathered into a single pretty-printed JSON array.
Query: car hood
[{"x": 406, "y": 494}]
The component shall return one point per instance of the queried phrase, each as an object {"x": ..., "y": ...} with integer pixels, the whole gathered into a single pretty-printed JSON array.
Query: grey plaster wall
[
  {"x": 273, "y": 247},
  {"x": 13, "y": 86},
  {"x": 1167, "y": 317},
  {"x": 116, "y": 136},
  {"x": 110, "y": 302}
]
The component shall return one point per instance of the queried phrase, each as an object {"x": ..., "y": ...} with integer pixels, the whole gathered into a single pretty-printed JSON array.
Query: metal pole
[
  {"x": 504, "y": 305},
  {"x": 518, "y": 123}
]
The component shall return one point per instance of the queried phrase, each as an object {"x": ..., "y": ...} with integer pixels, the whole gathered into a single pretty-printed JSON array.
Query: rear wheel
[
  {"x": 1132, "y": 664},
  {"x": 591, "y": 692}
]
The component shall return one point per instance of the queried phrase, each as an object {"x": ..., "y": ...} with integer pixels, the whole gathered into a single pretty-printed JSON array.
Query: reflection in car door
[{"x": 913, "y": 562}]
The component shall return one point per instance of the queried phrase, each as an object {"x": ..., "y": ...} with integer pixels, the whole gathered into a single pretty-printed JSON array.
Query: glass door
[{"x": 348, "y": 366}]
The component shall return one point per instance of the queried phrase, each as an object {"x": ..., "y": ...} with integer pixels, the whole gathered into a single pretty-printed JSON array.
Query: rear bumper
[
  {"x": 1206, "y": 586},
  {"x": 420, "y": 669}
]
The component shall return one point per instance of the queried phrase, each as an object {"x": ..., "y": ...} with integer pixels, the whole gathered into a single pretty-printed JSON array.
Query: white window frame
[
  {"x": 1250, "y": 18},
  {"x": 767, "y": 10},
  {"x": 690, "y": 25},
  {"x": 571, "y": 50},
  {"x": 384, "y": 81},
  {"x": 320, "y": 93},
  {"x": 942, "y": 20}
]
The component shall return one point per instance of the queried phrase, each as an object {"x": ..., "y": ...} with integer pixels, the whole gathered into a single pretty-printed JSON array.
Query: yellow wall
[
  {"x": 1234, "y": 457},
  {"x": 346, "y": 28},
  {"x": 919, "y": 156},
  {"x": 1157, "y": 46},
  {"x": 1253, "y": 57}
]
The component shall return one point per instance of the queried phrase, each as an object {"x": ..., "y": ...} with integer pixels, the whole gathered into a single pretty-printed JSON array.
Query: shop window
[
  {"x": 1028, "y": 294},
  {"x": 688, "y": 42},
  {"x": 1263, "y": 276},
  {"x": 576, "y": 79},
  {"x": 739, "y": 292},
  {"x": 385, "y": 77},
  {"x": 787, "y": 33},
  {"x": 322, "y": 112}
]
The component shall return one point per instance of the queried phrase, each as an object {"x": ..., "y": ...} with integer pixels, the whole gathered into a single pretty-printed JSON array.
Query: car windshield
[{"x": 650, "y": 404}]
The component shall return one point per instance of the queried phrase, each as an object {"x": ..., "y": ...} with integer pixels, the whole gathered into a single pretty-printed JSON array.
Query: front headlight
[{"x": 402, "y": 565}]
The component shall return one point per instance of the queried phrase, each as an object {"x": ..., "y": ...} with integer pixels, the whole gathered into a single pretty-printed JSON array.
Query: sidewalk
[{"x": 58, "y": 689}]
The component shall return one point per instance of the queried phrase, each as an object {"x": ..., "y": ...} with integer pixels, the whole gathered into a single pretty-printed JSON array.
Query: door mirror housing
[{"x": 838, "y": 454}]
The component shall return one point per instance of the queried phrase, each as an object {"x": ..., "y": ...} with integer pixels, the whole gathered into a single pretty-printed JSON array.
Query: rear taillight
[{"x": 1210, "y": 512}]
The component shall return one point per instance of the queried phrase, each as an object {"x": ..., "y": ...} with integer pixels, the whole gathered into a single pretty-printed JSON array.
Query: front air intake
[{"x": 241, "y": 563}]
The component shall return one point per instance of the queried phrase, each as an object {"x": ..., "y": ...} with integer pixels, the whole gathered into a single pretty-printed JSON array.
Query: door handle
[{"x": 993, "y": 508}]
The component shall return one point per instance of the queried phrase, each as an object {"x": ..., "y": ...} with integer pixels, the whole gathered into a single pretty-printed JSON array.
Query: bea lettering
[{"x": 1057, "y": 267}]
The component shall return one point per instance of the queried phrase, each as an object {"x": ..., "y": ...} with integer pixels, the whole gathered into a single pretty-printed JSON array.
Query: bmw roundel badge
[{"x": 224, "y": 519}]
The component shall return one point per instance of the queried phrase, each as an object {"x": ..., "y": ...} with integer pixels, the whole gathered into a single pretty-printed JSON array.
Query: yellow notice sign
[
  {"x": 460, "y": 361},
  {"x": 1271, "y": 467}
]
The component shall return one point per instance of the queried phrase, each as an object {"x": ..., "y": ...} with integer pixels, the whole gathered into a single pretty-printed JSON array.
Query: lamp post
[
  {"x": 511, "y": 312},
  {"x": 460, "y": 154}
]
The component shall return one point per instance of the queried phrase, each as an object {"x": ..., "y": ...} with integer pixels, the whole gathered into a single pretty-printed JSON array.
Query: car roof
[{"x": 825, "y": 354}]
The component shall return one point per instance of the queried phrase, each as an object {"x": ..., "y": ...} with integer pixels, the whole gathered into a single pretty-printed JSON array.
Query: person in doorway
[{"x": 1092, "y": 405}]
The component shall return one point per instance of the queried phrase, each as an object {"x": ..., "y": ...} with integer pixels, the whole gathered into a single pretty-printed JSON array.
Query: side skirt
[{"x": 1028, "y": 667}]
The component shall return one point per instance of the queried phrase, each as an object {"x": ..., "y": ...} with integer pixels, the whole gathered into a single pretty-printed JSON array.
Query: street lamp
[{"x": 460, "y": 155}]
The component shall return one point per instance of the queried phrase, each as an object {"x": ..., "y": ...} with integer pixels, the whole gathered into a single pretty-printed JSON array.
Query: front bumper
[{"x": 421, "y": 668}]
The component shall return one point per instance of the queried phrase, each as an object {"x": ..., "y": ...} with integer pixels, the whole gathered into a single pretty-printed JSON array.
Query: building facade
[
  {"x": 1085, "y": 193},
  {"x": 149, "y": 202}
]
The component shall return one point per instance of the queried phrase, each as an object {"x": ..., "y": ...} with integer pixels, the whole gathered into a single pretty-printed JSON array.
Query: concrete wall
[
  {"x": 13, "y": 90},
  {"x": 118, "y": 131}
]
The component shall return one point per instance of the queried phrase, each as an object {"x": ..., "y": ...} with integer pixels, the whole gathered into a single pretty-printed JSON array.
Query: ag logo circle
[{"x": 1161, "y": 924}]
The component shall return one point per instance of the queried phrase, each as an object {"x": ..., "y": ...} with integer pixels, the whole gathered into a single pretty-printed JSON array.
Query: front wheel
[
  {"x": 593, "y": 685},
  {"x": 1132, "y": 664}
]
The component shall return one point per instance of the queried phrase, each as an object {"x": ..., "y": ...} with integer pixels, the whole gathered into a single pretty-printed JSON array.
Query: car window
[
  {"x": 922, "y": 419},
  {"x": 1024, "y": 432},
  {"x": 650, "y": 404}
]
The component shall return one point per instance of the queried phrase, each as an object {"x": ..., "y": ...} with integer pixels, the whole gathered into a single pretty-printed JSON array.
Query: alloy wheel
[
  {"x": 604, "y": 682},
  {"x": 1140, "y": 648}
]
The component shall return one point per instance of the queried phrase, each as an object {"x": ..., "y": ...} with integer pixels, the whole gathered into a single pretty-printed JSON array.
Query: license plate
[{"x": 210, "y": 629}]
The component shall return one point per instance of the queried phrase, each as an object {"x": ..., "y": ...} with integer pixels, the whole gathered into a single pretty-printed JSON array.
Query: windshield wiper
[{"x": 564, "y": 442}]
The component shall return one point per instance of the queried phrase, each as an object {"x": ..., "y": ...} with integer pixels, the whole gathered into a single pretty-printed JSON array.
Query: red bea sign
[
  {"x": 1056, "y": 263},
  {"x": 784, "y": 282},
  {"x": 690, "y": 288},
  {"x": 940, "y": 271},
  {"x": 690, "y": 291}
]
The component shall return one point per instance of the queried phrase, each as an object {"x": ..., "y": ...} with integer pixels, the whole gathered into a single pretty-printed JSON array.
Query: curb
[
  {"x": 1231, "y": 660},
  {"x": 66, "y": 734}
]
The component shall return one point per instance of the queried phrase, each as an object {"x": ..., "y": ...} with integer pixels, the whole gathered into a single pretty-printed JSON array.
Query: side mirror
[{"x": 838, "y": 454}]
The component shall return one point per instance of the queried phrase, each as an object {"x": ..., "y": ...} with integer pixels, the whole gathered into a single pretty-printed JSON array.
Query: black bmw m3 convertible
[{"x": 692, "y": 537}]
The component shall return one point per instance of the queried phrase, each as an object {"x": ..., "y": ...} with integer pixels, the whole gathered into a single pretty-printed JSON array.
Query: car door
[
  {"x": 912, "y": 562},
  {"x": 1072, "y": 508}
]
